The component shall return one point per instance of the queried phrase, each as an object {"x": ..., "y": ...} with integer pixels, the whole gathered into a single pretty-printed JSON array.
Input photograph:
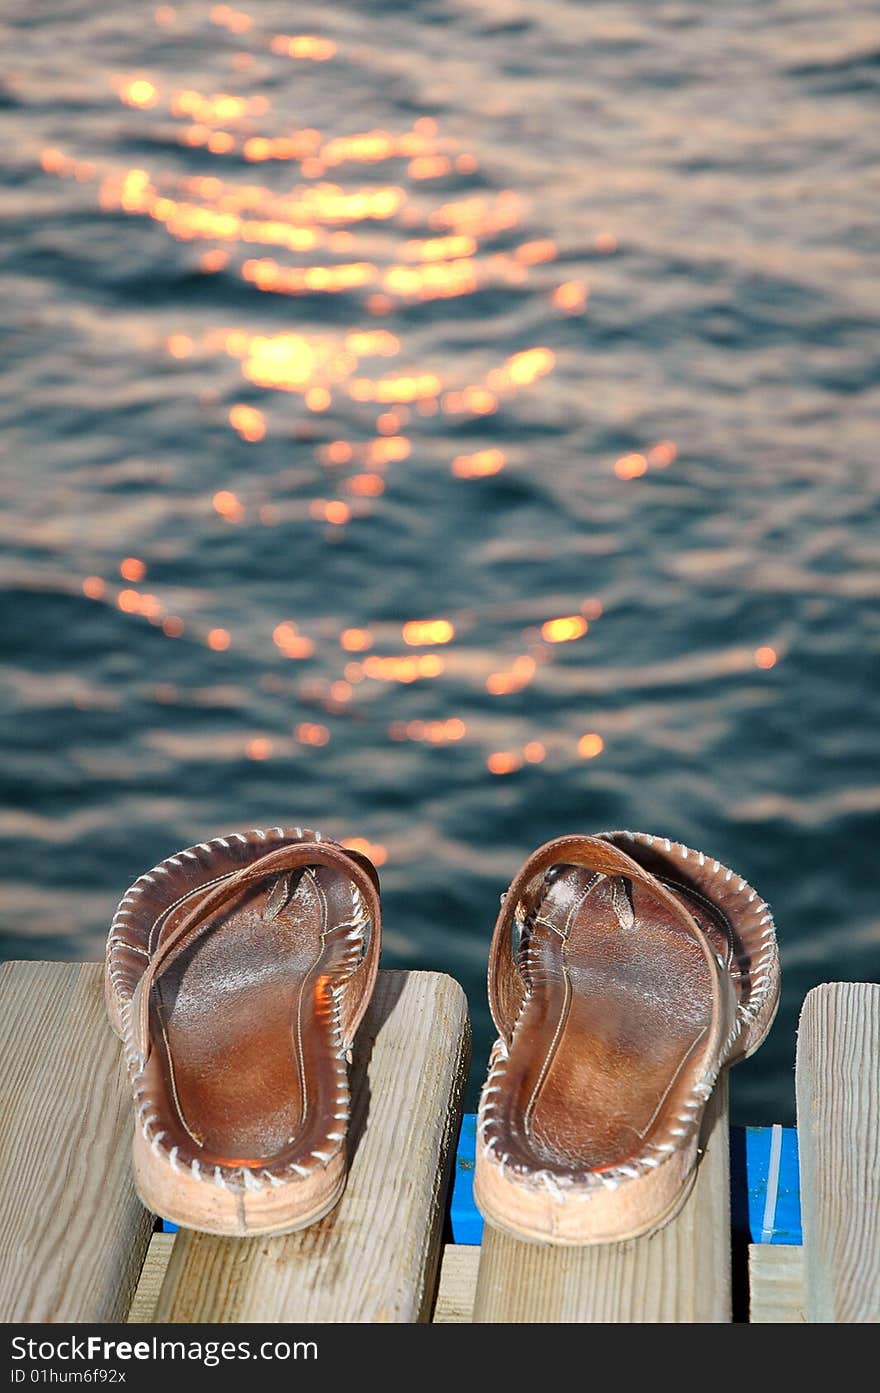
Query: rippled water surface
[{"x": 447, "y": 425}]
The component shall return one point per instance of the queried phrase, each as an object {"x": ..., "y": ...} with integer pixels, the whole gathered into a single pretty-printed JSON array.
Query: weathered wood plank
[
  {"x": 838, "y": 1101},
  {"x": 73, "y": 1233},
  {"x": 455, "y": 1291},
  {"x": 143, "y": 1307},
  {"x": 680, "y": 1274},
  {"x": 458, "y": 1284},
  {"x": 375, "y": 1257},
  {"x": 776, "y": 1284}
]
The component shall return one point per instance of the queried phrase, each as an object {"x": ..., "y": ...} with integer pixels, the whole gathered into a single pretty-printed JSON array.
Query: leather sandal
[
  {"x": 237, "y": 973},
  {"x": 621, "y": 982}
]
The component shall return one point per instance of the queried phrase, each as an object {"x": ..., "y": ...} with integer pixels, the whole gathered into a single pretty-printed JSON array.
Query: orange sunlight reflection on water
[{"x": 364, "y": 216}]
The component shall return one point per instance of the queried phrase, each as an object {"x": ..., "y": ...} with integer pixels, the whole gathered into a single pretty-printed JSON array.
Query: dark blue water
[{"x": 583, "y": 327}]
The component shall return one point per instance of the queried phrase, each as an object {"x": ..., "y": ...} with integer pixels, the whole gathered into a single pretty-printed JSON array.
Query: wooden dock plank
[
  {"x": 838, "y": 1101},
  {"x": 72, "y": 1232},
  {"x": 458, "y": 1284},
  {"x": 776, "y": 1284},
  {"x": 681, "y": 1273},
  {"x": 143, "y": 1307},
  {"x": 455, "y": 1290},
  {"x": 375, "y": 1257}
]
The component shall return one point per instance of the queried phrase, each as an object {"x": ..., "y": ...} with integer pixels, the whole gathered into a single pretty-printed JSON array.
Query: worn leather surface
[
  {"x": 612, "y": 1004},
  {"x": 726, "y": 910},
  {"x": 198, "y": 914},
  {"x": 235, "y": 1010}
]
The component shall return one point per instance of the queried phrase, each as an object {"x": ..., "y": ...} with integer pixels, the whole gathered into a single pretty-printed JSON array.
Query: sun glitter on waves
[
  {"x": 590, "y": 745},
  {"x": 425, "y": 632},
  {"x": 369, "y": 216},
  {"x": 374, "y": 851},
  {"x": 564, "y": 630}
]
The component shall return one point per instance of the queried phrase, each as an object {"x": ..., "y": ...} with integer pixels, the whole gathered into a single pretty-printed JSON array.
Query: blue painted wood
[
  {"x": 784, "y": 1219},
  {"x": 467, "y": 1221},
  {"x": 750, "y": 1157}
]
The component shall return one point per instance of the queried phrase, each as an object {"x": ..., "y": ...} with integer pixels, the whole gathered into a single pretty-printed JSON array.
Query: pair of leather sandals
[{"x": 625, "y": 972}]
